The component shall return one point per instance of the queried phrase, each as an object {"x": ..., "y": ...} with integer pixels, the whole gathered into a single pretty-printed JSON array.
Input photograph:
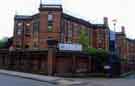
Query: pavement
[
  {"x": 50, "y": 79},
  {"x": 6, "y": 80},
  {"x": 58, "y": 81}
]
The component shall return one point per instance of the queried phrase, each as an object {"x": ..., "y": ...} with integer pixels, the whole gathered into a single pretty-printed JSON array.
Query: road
[{"x": 6, "y": 80}]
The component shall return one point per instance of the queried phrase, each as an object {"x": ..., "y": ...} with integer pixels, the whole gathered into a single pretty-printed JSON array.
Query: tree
[
  {"x": 84, "y": 39},
  {"x": 6, "y": 42},
  {"x": 102, "y": 55},
  {"x": 91, "y": 51},
  {"x": 2, "y": 44}
]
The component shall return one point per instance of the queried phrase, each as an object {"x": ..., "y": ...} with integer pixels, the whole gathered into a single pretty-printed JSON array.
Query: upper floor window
[
  {"x": 69, "y": 32},
  {"x": 50, "y": 22},
  {"x": 19, "y": 31},
  {"x": 35, "y": 45},
  {"x": 50, "y": 17},
  {"x": 19, "y": 28},
  {"x": 36, "y": 27},
  {"x": 27, "y": 30},
  {"x": 27, "y": 46},
  {"x": 28, "y": 24},
  {"x": 86, "y": 32},
  {"x": 19, "y": 24},
  {"x": 69, "y": 40},
  {"x": 50, "y": 27}
]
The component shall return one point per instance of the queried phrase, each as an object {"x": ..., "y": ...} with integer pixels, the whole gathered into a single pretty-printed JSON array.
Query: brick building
[
  {"x": 125, "y": 46},
  {"x": 131, "y": 50},
  {"x": 121, "y": 43},
  {"x": 51, "y": 23}
]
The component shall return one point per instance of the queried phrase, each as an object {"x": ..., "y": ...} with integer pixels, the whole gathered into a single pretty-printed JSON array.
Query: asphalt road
[{"x": 6, "y": 80}]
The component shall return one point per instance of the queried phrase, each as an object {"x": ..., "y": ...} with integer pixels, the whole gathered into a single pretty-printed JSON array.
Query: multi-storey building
[
  {"x": 131, "y": 50},
  {"x": 125, "y": 47},
  {"x": 51, "y": 23},
  {"x": 121, "y": 43}
]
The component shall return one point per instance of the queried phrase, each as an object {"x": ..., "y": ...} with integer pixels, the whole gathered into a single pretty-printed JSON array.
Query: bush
[
  {"x": 100, "y": 54},
  {"x": 91, "y": 51}
]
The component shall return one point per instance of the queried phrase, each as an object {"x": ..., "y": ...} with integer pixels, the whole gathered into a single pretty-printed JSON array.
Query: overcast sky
[{"x": 90, "y": 10}]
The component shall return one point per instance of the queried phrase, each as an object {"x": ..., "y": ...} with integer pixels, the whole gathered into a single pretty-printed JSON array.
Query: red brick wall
[
  {"x": 22, "y": 39},
  {"x": 121, "y": 45},
  {"x": 101, "y": 38},
  {"x": 44, "y": 34},
  {"x": 63, "y": 65}
]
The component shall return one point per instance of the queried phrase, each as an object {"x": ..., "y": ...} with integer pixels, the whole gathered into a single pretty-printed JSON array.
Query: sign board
[
  {"x": 112, "y": 35},
  {"x": 71, "y": 47},
  {"x": 51, "y": 1},
  {"x": 107, "y": 67}
]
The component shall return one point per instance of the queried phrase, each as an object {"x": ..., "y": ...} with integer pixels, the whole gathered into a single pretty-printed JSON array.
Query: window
[
  {"x": 69, "y": 32},
  {"x": 50, "y": 27},
  {"x": 69, "y": 40},
  {"x": 27, "y": 35},
  {"x": 49, "y": 37},
  {"x": 19, "y": 31},
  {"x": 50, "y": 17},
  {"x": 86, "y": 32},
  {"x": 19, "y": 24},
  {"x": 76, "y": 30},
  {"x": 50, "y": 22},
  {"x": 35, "y": 45},
  {"x": 19, "y": 28},
  {"x": 28, "y": 24},
  {"x": 27, "y": 30},
  {"x": 18, "y": 46},
  {"x": 26, "y": 46},
  {"x": 36, "y": 27}
]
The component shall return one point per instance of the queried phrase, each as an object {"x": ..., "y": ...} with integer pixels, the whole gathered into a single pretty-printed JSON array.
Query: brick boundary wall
[{"x": 40, "y": 61}]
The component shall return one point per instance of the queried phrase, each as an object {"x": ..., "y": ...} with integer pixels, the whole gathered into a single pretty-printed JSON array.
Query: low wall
[{"x": 64, "y": 63}]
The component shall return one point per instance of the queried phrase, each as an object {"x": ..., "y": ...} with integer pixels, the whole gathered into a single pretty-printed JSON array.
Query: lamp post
[
  {"x": 114, "y": 24},
  {"x": 40, "y": 2}
]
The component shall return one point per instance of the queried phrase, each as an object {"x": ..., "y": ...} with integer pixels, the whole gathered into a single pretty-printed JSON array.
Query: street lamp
[{"x": 114, "y": 24}]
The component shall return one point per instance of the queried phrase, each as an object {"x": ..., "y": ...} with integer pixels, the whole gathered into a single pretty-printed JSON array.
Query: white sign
[
  {"x": 107, "y": 67},
  {"x": 71, "y": 47},
  {"x": 51, "y": 1}
]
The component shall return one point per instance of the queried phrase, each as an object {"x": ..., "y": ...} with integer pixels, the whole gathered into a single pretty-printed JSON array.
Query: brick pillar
[
  {"x": 90, "y": 65},
  {"x": 51, "y": 60},
  {"x": 73, "y": 64}
]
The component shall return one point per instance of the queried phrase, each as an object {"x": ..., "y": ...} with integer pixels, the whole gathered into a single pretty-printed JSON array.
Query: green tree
[
  {"x": 99, "y": 54},
  {"x": 91, "y": 51},
  {"x": 84, "y": 39},
  {"x": 3, "y": 42},
  {"x": 102, "y": 55}
]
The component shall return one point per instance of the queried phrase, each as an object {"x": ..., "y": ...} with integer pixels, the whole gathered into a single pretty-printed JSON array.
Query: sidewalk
[{"x": 42, "y": 78}]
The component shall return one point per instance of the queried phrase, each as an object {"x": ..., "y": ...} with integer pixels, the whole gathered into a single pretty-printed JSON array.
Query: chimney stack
[
  {"x": 106, "y": 21},
  {"x": 122, "y": 29}
]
